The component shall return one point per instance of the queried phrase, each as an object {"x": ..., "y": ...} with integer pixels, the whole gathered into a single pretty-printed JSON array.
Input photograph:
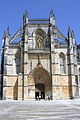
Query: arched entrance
[{"x": 39, "y": 83}]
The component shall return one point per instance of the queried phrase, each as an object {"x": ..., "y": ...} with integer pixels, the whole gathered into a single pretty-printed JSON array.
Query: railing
[{"x": 38, "y": 21}]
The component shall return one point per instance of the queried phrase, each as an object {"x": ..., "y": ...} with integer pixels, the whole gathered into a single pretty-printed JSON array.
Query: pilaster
[
  {"x": 52, "y": 59},
  {"x": 26, "y": 63}
]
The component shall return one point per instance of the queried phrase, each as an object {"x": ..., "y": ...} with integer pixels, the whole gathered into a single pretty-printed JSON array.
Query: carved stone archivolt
[{"x": 40, "y": 76}]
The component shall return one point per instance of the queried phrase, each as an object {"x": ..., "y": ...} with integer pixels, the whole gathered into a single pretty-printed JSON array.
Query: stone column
[
  {"x": 52, "y": 63},
  {"x": 71, "y": 73},
  {"x": 26, "y": 64}
]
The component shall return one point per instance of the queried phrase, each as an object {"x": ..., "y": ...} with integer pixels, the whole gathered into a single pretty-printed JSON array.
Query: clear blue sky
[{"x": 67, "y": 12}]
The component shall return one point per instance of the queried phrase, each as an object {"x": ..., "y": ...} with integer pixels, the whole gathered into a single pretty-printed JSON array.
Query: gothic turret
[
  {"x": 52, "y": 18},
  {"x": 69, "y": 32},
  {"x": 25, "y": 18}
]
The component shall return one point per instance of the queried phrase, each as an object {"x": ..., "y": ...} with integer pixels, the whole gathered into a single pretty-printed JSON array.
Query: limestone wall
[
  {"x": 11, "y": 61},
  {"x": 60, "y": 80},
  {"x": 9, "y": 89},
  {"x": 33, "y": 61},
  {"x": 78, "y": 68}
]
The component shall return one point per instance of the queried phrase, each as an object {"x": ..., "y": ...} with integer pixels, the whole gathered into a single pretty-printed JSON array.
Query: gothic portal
[{"x": 40, "y": 62}]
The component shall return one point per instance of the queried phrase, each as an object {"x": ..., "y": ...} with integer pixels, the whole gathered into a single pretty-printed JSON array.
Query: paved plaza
[{"x": 40, "y": 110}]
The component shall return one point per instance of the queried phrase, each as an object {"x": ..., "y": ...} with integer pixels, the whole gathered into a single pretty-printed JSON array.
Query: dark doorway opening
[
  {"x": 39, "y": 91},
  {"x": 36, "y": 95},
  {"x": 42, "y": 95}
]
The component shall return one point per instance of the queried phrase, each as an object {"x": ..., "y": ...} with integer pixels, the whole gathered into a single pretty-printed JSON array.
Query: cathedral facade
[{"x": 40, "y": 62}]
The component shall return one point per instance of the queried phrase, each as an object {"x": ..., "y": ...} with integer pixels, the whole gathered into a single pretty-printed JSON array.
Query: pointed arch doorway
[{"x": 39, "y": 83}]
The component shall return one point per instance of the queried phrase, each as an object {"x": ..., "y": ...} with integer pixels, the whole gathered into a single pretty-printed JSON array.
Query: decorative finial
[
  {"x": 73, "y": 37},
  {"x": 25, "y": 14},
  {"x": 69, "y": 31},
  {"x": 4, "y": 35},
  {"x": 25, "y": 18},
  {"x": 51, "y": 14},
  {"x": 7, "y": 34}
]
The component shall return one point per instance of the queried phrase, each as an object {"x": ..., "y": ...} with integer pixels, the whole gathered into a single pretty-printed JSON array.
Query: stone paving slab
[{"x": 40, "y": 110}]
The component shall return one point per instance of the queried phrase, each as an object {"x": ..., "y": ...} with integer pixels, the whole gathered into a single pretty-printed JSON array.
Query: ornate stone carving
[{"x": 39, "y": 39}]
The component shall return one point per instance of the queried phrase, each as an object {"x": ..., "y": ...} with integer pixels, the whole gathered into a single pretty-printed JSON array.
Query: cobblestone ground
[{"x": 40, "y": 110}]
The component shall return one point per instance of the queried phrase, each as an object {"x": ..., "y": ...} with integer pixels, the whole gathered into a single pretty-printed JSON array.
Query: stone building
[{"x": 39, "y": 61}]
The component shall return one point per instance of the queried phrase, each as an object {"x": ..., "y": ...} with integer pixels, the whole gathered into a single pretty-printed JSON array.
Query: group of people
[
  {"x": 48, "y": 97},
  {"x": 42, "y": 97}
]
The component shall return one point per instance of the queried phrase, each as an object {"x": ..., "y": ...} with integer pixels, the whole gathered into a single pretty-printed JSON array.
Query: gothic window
[
  {"x": 62, "y": 63},
  {"x": 18, "y": 64},
  {"x": 39, "y": 37}
]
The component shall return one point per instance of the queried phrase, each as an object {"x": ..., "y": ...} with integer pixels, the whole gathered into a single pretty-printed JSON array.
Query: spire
[
  {"x": 3, "y": 42},
  {"x": 4, "y": 35},
  {"x": 26, "y": 13},
  {"x": 69, "y": 32},
  {"x": 70, "y": 37},
  {"x": 25, "y": 17},
  {"x": 73, "y": 37},
  {"x": 7, "y": 37},
  {"x": 7, "y": 34},
  {"x": 51, "y": 14},
  {"x": 52, "y": 18}
]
